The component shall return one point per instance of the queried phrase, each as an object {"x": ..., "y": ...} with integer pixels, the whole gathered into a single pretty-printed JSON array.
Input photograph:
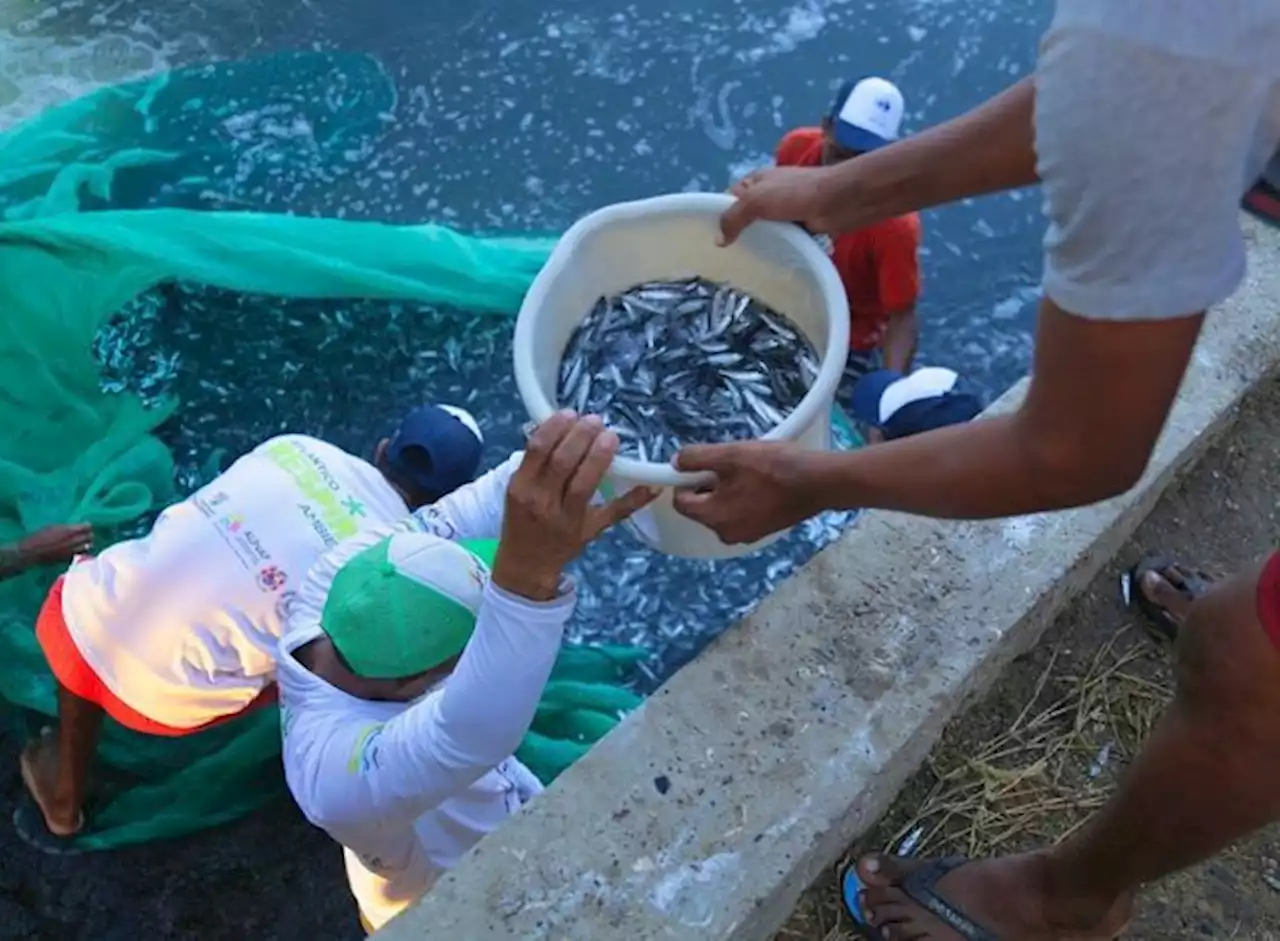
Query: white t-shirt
[
  {"x": 407, "y": 789},
  {"x": 182, "y": 624}
]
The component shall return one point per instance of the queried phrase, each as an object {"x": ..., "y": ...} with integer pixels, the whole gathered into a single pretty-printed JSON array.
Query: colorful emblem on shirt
[
  {"x": 366, "y": 754},
  {"x": 271, "y": 578}
]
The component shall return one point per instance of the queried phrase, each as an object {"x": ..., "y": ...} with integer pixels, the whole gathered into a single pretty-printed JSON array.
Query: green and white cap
[{"x": 407, "y": 604}]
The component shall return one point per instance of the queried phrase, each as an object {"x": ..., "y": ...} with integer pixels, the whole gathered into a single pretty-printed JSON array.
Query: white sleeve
[
  {"x": 474, "y": 511},
  {"x": 440, "y": 745}
]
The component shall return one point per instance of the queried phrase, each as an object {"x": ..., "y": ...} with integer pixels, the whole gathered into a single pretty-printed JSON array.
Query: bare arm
[
  {"x": 11, "y": 562},
  {"x": 1070, "y": 443},
  {"x": 1099, "y": 395},
  {"x": 47, "y": 546},
  {"x": 1128, "y": 274},
  {"x": 986, "y": 150}
]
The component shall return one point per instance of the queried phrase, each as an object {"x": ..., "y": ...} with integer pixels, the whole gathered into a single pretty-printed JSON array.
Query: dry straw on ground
[{"x": 1030, "y": 785}]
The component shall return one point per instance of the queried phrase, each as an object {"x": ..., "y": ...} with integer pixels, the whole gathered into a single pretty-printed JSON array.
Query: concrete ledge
[{"x": 708, "y": 812}]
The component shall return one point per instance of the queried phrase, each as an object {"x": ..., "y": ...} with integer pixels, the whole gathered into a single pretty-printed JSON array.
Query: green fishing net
[{"x": 77, "y": 248}]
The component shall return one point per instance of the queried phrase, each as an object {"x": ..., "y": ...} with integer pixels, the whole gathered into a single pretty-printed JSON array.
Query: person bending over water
[{"x": 175, "y": 632}]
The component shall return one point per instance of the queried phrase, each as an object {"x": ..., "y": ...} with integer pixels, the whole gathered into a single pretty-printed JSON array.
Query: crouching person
[{"x": 411, "y": 669}]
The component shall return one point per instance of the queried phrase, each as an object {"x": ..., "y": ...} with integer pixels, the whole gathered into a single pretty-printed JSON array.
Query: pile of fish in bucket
[{"x": 670, "y": 363}]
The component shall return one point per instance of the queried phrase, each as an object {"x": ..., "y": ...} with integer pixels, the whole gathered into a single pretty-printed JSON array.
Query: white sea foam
[{"x": 42, "y": 66}]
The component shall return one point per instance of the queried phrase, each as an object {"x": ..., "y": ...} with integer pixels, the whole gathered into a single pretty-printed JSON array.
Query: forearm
[
  {"x": 986, "y": 150},
  {"x": 12, "y": 562},
  {"x": 898, "y": 347},
  {"x": 985, "y": 469}
]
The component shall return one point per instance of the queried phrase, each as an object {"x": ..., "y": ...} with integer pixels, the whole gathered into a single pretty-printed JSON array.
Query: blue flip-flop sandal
[{"x": 920, "y": 885}]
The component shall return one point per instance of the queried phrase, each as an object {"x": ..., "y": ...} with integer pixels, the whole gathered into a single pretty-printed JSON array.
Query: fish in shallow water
[{"x": 669, "y": 363}]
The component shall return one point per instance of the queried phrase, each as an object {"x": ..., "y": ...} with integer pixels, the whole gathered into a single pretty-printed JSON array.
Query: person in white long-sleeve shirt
[
  {"x": 176, "y": 631},
  {"x": 411, "y": 666}
]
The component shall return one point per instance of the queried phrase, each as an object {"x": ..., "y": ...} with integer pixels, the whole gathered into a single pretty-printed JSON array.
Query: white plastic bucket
[{"x": 669, "y": 237}]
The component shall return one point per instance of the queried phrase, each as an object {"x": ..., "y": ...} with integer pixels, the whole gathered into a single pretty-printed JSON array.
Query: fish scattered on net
[{"x": 668, "y": 363}]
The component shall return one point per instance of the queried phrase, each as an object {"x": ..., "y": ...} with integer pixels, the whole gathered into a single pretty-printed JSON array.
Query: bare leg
[
  {"x": 1205, "y": 778},
  {"x": 56, "y": 769}
]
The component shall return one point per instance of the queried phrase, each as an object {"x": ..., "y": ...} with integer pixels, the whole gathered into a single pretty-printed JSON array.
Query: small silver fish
[{"x": 668, "y": 363}]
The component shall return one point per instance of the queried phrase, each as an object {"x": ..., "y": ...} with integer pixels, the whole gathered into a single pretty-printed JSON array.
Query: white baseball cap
[{"x": 867, "y": 114}]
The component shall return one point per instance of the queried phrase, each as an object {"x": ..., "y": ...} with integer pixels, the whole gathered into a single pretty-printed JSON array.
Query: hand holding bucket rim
[
  {"x": 820, "y": 200},
  {"x": 742, "y": 490},
  {"x": 759, "y": 488},
  {"x": 672, "y": 478}
]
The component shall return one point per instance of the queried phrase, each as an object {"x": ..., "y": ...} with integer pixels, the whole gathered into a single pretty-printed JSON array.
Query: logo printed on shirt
[
  {"x": 271, "y": 578},
  {"x": 330, "y": 514},
  {"x": 353, "y": 506},
  {"x": 231, "y": 527}
]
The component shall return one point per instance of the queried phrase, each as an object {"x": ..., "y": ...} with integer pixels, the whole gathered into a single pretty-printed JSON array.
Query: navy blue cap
[
  {"x": 902, "y": 405},
  {"x": 437, "y": 448}
]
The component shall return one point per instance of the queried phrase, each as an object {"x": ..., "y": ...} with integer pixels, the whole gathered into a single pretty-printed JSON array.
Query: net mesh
[{"x": 78, "y": 251}]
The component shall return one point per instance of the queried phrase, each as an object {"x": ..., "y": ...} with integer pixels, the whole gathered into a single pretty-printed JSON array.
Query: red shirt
[{"x": 878, "y": 264}]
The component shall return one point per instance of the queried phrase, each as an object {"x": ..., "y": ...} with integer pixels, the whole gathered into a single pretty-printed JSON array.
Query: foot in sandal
[
  {"x": 1011, "y": 898},
  {"x": 39, "y": 764},
  {"x": 1164, "y": 590}
]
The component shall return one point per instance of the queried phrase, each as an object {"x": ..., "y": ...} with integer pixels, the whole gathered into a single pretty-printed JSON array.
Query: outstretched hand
[
  {"x": 56, "y": 544},
  {"x": 761, "y": 487},
  {"x": 550, "y": 517}
]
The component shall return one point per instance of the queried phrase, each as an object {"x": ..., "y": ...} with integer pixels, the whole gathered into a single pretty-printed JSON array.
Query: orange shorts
[{"x": 78, "y": 678}]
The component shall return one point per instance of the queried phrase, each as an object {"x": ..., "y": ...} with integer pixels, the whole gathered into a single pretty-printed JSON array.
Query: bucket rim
[{"x": 710, "y": 205}]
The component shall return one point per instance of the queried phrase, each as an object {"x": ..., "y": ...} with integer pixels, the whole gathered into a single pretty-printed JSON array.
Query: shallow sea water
[{"x": 517, "y": 117}]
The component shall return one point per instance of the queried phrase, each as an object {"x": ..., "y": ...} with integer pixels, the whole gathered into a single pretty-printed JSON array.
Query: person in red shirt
[{"x": 879, "y": 264}]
